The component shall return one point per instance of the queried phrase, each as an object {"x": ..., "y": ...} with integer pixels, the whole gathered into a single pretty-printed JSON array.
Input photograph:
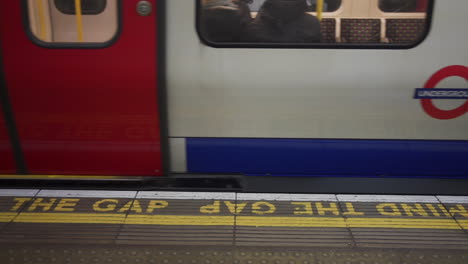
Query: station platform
[{"x": 70, "y": 226}]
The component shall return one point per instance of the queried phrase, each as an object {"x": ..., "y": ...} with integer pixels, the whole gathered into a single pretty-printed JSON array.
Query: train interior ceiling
[{"x": 339, "y": 21}]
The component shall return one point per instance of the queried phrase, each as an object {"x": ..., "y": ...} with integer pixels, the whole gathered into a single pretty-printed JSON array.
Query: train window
[
  {"x": 57, "y": 22},
  {"x": 88, "y": 7},
  {"x": 403, "y": 6},
  {"x": 313, "y": 23}
]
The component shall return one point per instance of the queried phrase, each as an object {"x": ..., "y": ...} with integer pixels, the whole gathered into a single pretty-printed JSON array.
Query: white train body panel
[{"x": 311, "y": 93}]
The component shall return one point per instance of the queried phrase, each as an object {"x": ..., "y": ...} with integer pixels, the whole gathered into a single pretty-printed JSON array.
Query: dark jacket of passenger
[
  {"x": 224, "y": 20},
  {"x": 284, "y": 21}
]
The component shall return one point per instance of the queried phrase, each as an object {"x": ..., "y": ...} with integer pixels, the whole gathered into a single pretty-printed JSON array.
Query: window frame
[
  {"x": 71, "y": 45},
  {"x": 84, "y": 12},
  {"x": 363, "y": 46}
]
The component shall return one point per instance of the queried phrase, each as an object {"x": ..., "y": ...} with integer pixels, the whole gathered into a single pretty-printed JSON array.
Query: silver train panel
[{"x": 311, "y": 93}]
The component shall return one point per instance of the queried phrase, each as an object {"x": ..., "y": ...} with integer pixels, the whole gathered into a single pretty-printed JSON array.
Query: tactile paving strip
[
  {"x": 223, "y": 255},
  {"x": 169, "y": 227}
]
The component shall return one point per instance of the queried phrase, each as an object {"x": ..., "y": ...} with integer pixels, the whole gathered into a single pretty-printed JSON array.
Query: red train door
[{"x": 82, "y": 78}]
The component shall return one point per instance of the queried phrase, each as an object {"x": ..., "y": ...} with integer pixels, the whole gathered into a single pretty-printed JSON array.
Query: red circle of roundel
[{"x": 428, "y": 105}]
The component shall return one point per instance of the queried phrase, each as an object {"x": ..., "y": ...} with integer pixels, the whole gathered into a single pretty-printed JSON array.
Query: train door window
[
  {"x": 313, "y": 23},
  {"x": 73, "y": 22}
]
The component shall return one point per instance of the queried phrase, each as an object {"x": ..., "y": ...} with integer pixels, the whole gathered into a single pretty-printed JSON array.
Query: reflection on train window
[
  {"x": 57, "y": 21},
  {"x": 245, "y": 22},
  {"x": 403, "y": 6},
  {"x": 88, "y": 7}
]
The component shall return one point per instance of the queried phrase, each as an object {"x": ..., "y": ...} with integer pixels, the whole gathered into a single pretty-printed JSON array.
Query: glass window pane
[
  {"x": 55, "y": 21},
  {"x": 269, "y": 22},
  {"x": 88, "y": 7}
]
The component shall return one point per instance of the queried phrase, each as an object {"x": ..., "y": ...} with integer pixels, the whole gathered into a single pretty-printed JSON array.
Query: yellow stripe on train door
[
  {"x": 79, "y": 20},
  {"x": 42, "y": 22}
]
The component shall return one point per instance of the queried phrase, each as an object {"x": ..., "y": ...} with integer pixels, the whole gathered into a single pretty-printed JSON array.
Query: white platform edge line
[
  {"x": 286, "y": 197},
  {"x": 18, "y": 192},
  {"x": 87, "y": 194},
  {"x": 388, "y": 198},
  {"x": 231, "y": 196},
  {"x": 187, "y": 195},
  {"x": 453, "y": 199}
]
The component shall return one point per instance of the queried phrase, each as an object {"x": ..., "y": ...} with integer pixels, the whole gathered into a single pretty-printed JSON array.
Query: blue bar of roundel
[
  {"x": 311, "y": 157},
  {"x": 463, "y": 91}
]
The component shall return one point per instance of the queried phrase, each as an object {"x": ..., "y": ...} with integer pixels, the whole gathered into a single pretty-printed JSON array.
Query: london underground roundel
[{"x": 427, "y": 96}]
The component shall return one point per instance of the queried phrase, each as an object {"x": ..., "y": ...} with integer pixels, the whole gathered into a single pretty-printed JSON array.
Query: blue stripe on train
[{"x": 317, "y": 157}]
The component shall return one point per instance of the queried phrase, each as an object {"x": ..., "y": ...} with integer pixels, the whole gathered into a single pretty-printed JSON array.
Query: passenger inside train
[
  {"x": 276, "y": 21},
  {"x": 225, "y": 20},
  {"x": 283, "y": 21},
  {"x": 313, "y": 21}
]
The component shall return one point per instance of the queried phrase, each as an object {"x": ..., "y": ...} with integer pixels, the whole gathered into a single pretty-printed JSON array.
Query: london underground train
[{"x": 277, "y": 88}]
